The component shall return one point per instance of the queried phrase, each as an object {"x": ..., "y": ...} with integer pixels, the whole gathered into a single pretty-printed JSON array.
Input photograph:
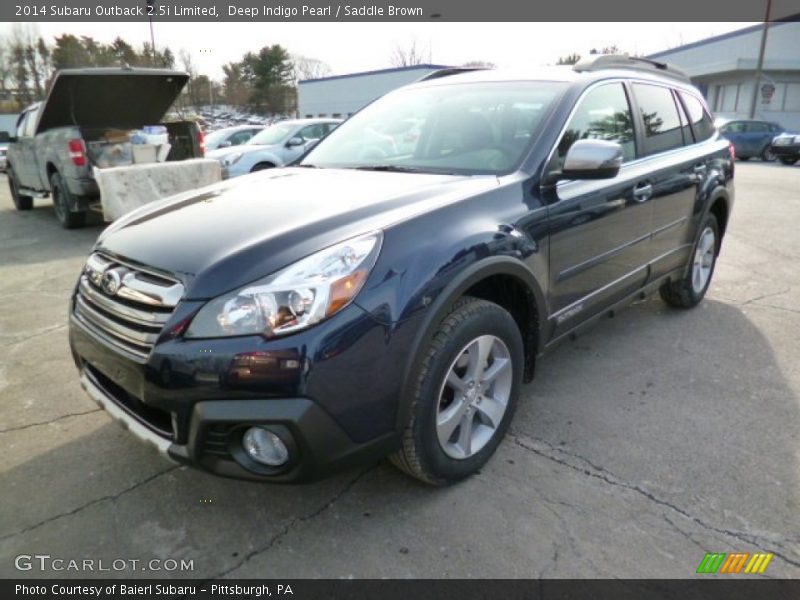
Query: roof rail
[
  {"x": 596, "y": 62},
  {"x": 450, "y": 71}
]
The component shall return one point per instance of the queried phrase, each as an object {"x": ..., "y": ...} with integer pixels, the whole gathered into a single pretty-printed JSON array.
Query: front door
[{"x": 599, "y": 229}]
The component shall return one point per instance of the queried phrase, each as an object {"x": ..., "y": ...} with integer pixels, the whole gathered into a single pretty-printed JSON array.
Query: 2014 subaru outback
[{"x": 391, "y": 292}]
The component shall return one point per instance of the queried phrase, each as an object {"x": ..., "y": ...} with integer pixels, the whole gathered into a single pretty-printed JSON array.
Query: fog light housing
[{"x": 265, "y": 447}]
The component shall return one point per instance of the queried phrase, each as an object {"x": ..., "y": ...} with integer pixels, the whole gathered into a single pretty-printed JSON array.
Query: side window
[
  {"x": 30, "y": 122},
  {"x": 240, "y": 137},
  {"x": 757, "y": 127},
  {"x": 312, "y": 132},
  {"x": 603, "y": 114},
  {"x": 21, "y": 124},
  {"x": 735, "y": 127},
  {"x": 701, "y": 122},
  {"x": 662, "y": 125}
]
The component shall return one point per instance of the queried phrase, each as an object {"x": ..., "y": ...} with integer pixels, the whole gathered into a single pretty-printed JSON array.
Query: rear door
[
  {"x": 759, "y": 135},
  {"x": 674, "y": 172},
  {"x": 599, "y": 229}
]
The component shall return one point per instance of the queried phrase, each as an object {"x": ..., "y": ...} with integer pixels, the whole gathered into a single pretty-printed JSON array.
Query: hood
[
  {"x": 124, "y": 98},
  {"x": 229, "y": 234}
]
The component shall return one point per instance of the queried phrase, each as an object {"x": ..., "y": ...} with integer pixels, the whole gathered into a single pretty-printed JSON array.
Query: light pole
[
  {"x": 760, "y": 64},
  {"x": 150, "y": 8}
]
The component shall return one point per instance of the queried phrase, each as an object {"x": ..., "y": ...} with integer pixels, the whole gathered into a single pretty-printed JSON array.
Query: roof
[
  {"x": 555, "y": 73},
  {"x": 377, "y": 72},
  {"x": 719, "y": 38}
]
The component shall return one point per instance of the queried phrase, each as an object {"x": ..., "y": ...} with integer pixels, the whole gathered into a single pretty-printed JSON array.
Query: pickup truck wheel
[
  {"x": 62, "y": 200},
  {"x": 767, "y": 155},
  {"x": 465, "y": 394},
  {"x": 261, "y": 166},
  {"x": 689, "y": 291},
  {"x": 787, "y": 160},
  {"x": 20, "y": 202}
]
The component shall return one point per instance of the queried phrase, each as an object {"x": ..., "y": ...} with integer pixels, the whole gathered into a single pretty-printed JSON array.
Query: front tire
[
  {"x": 20, "y": 202},
  {"x": 262, "y": 166},
  {"x": 691, "y": 289},
  {"x": 767, "y": 154},
  {"x": 465, "y": 394},
  {"x": 62, "y": 201}
]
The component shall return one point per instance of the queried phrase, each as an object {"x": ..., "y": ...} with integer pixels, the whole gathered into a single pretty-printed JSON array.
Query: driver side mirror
[
  {"x": 591, "y": 159},
  {"x": 295, "y": 141}
]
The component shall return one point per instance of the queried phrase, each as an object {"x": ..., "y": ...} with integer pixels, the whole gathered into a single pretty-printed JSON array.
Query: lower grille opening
[
  {"x": 156, "y": 419},
  {"x": 215, "y": 441}
]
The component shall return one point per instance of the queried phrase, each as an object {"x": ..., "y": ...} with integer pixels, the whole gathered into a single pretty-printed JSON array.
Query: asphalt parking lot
[{"x": 657, "y": 437}]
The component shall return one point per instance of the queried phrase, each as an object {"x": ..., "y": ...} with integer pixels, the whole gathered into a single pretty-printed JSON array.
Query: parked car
[
  {"x": 786, "y": 148},
  {"x": 4, "y": 140},
  {"x": 363, "y": 303},
  {"x": 231, "y": 136},
  {"x": 751, "y": 138},
  {"x": 275, "y": 146},
  {"x": 86, "y": 120}
]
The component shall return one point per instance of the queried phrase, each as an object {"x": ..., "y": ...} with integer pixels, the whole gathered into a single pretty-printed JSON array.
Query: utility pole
[
  {"x": 150, "y": 8},
  {"x": 760, "y": 64}
]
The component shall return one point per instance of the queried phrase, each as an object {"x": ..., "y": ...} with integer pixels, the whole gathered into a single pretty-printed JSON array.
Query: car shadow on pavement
[
  {"x": 654, "y": 417},
  {"x": 35, "y": 236}
]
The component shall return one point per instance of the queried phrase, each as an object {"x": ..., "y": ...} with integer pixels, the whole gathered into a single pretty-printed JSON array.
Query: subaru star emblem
[{"x": 111, "y": 282}]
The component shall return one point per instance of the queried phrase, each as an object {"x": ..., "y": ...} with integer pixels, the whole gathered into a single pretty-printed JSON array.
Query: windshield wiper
[{"x": 401, "y": 169}]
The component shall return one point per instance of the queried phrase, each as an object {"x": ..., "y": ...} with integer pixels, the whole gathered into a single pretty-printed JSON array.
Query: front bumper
[
  {"x": 790, "y": 151},
  {"x": 191, "y": 399},
  {"x": 319, "y": 446}
]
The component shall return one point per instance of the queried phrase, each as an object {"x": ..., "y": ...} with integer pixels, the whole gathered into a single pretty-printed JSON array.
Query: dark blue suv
[{"x": 390, "y": 293}]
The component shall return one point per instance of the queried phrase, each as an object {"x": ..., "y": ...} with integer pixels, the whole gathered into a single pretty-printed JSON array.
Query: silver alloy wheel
[
  {"x": 703, "y": 260},
  {"x": 474, "y": 396}
]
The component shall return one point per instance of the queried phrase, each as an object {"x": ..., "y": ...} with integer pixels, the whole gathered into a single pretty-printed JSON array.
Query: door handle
[{"x": 643, "y": 192}]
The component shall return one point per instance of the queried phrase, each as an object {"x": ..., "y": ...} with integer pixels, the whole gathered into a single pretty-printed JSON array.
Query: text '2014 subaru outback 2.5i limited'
[{"x": 383, "y": 297}]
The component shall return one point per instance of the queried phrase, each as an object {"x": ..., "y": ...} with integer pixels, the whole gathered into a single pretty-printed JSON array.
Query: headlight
[
  {"x": 232, "y": 159},
  {"x": 294, "y": 298}
]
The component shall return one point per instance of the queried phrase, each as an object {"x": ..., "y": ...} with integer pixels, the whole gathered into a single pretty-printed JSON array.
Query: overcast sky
[{"x": 351, "y": 47}]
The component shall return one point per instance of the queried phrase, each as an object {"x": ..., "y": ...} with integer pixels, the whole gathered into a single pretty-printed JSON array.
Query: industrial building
[
  {"x": 724, "y": 68},
  {"x": 339, "y": 96}
]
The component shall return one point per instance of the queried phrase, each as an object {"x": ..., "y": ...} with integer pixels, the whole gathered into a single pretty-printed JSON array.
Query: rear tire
[
  {"x": 62, "y": 201},
  {"x": 465, "y": 394},
  {"x": 691, "y": 289},
  {"x": 788, "y": 160},
  {"x": 767, "y": 155},
  {"x": 21, "y": 202}
]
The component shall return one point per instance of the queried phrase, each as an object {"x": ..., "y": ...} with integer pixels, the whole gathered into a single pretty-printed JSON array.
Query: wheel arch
[
  {"x": 500, "y": 279},
  {"x": 719, "y": 206}
]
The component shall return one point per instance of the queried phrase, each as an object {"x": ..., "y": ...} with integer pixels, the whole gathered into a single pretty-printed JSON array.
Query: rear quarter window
[{"x": 700, "y": 120}]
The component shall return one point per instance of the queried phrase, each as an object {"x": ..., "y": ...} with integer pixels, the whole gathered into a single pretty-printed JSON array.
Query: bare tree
[
  {"x": 306, "y": 67},
  {"x": 413, "y": 54},
  {"x": 569, "y": 59}
]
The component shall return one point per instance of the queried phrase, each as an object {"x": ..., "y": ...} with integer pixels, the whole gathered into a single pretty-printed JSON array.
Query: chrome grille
[{"x": 124, "y": 305}]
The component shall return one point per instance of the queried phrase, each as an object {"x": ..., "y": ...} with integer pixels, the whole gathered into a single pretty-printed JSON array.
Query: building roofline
[
  {"x": 725, "y": 36},
  {"x": 376, "y": 72}
]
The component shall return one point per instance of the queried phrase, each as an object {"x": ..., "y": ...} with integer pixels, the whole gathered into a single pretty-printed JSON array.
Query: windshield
[
  {"x": 471, "y": 128},
  {"x": 272, "y": 135}
]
